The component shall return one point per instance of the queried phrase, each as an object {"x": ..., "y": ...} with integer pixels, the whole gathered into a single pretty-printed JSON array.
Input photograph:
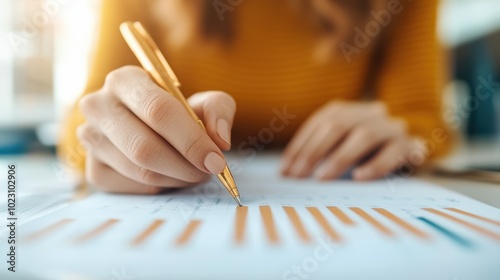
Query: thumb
[{"x": 216, "y": 109}]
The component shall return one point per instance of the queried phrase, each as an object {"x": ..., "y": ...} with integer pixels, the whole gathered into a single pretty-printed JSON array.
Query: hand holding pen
[{"x": 141, "y": 139}]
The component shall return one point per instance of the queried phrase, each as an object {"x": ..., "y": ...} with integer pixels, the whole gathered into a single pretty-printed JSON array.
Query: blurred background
[{"x": 45, "y": 47}]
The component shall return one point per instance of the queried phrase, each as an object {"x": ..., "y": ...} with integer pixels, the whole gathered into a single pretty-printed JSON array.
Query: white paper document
[
  {"x": 44, "y": 187},
  {"x": 288, "y": 229}
]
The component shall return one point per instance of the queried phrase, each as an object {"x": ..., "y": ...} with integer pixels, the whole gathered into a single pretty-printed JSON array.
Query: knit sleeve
[
  {"x": 412, "y": 73},
  {"x": 111, "y": 52}
]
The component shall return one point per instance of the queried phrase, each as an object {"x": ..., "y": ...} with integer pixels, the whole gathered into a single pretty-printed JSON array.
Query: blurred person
[{"x": 338, "y": 84}]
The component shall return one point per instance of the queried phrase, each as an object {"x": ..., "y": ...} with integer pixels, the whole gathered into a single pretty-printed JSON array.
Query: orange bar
[
  {"x": 297, "y": 224},
  {"x": 383, "y": 229},
  {"x": 188, "y": 232},
  {"x": 341, "y": 215},
  {"x": 474, "y": 216},
  {"x": 479, "y": 229},
  {"x": 147, "y": 232},
  {"x": 53, "y": 227},
  {"x": 267, "y": 218},
  {"x": 98, "y": 230},
  {"x": 324, "y": 223},
  {"x": 240, "y": 224},
  {"x": 417, "y": 232}
]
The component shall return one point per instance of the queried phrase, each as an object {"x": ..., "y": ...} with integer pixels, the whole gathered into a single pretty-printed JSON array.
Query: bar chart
[
  {"x": 330, "y": 230},
  {"x": 410, "y": 225}
]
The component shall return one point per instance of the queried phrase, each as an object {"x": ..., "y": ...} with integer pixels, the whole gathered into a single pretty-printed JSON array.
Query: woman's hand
[
  {"x": 342, "y": 135},
  {"x": 140, "y": 139}
]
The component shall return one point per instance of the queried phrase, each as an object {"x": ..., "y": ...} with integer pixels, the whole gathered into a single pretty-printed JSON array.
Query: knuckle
[
  {"x": 117, "y": 108},
  {"x": 88, "y": 103},
  {"x": 148, "y": 177},
  {"x": 82, "y": 132},
  {"x": 113, "y": 77},
  {"x": 224, "y": 98},
  {"x": 131, "y": 69},
  {"x": 118, "y": 75},
  {"x": 157, "y": 108},
  {"x": 140, "y": 151},
  {"x": 214, "y": 102},
  {"x": 86, "y": 133}
]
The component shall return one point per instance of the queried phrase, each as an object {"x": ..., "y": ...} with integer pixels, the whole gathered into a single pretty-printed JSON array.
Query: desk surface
[
  {"x": 472, "y": 153},
  {"x": 399, "y": 229},
  {"x": 42, "y": 167},
  {"x": 485, "y": 192}
]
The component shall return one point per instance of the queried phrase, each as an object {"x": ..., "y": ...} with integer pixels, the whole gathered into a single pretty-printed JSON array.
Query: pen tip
[{"x": 237, "y": 198}]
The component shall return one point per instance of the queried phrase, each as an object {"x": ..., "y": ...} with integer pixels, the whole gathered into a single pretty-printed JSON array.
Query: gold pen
[{"x": 152, "y": 60}]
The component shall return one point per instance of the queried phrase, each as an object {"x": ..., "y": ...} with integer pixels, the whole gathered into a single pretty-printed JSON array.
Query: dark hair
[
  {"x": 357, "y": 9},
  {"x": 212, "y": 26}
]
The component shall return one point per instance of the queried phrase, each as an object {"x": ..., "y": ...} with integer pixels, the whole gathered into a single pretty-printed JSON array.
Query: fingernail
[
  {"x": 299, "y": 167},
  {"x": 224, "y": 131},
  {"x": 363, "y": 174},
  {"x": 284, "y": 167},
  {"x": 214, "y": 163},
  {"x": 322, "y": 172}
]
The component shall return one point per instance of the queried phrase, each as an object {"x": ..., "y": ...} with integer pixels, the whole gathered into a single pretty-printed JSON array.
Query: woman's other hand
[{"x": 342, "y": 135}]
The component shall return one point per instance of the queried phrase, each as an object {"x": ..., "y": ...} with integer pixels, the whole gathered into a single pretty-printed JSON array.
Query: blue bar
[{"x": 453, "y": 236}]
